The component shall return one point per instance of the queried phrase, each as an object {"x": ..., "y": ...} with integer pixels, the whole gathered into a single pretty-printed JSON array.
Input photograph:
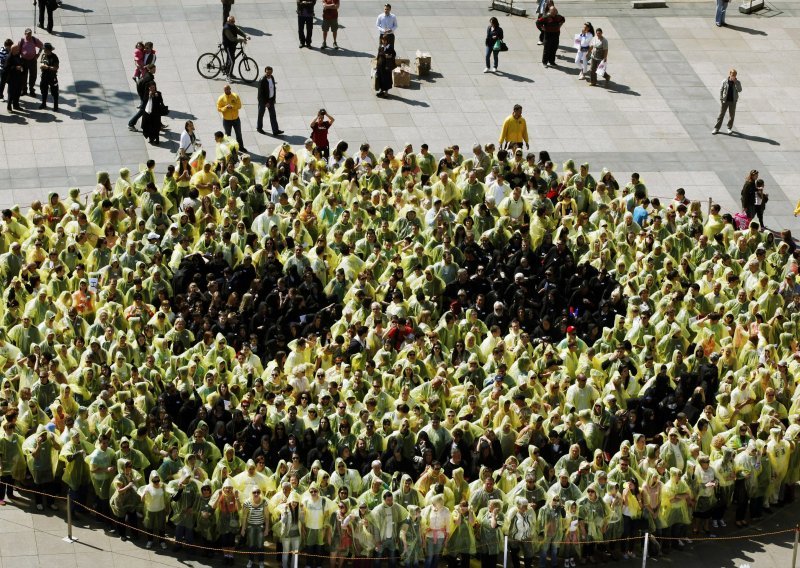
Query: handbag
[
  {"x": 500, "y": 45},
  {"x": 148, "y": 108}
]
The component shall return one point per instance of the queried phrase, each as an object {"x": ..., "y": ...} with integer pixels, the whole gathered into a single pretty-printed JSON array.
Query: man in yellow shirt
[
  {"x": 515, "y": 130},
  {"x": 228, "y": 105}
]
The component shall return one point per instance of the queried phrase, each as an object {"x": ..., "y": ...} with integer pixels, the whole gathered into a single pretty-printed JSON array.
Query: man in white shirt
[
  {"x": 500, "y": 189},
  {"x": 387, "y": 24}
]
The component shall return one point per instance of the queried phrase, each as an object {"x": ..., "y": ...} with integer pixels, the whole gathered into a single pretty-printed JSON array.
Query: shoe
[
  {"x": 581, "y": 76},
  {"x": 539, "y": 43},
  {"x": 33, "y": 93},
  {"x": 260, "y": 130},
  {"x": 39, "y": 507},
  {"x": 714, "y": 524},
  {"x": 302, "y": 45},
  {"x": 715, "y": 131},
  {"x": 42, "y": 106},
  {"x": 324, "y": 45},
  {"x": 544, "y": 64},
  {"x": 486, "y": 70},
  {"x": 53, "y": 507},
  {"x": 494, "y": 69},
  {"x": 149, "y": 545},
  {"x": 722, "y": 523},
  {"x": 249, "y": 564},
  {"x": 308, "y": 45},
  {"x": 730, "y": 131},
  {"x": 547, "y": 65},
  {"x": 163, "y": 545},
  {"x": 243, "y": 150},
  {"x": 55, "y": 109},
  {"x": 335, "y": 45},
  {"x": 688, "y": 541},
  {"x": 277, "y": 133},
  {"x": 17, "y": 107},
  {"x": 131, "y": 128}
]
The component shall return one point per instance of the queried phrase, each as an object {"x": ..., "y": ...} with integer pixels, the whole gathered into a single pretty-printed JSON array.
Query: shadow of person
[
  {"x": 344, "y": 52},
  {"x": 69, "y": 8},
  {"x": 754, "y": 138},
  {"x": 513, "y": 77},
  {"x": 68, "y": 35},
  {"x": 254, "y": 32},
  {"x": 619, "y": 88},
  {"x": 411, "y": 102},
  {"x": 744, "y": 30}
]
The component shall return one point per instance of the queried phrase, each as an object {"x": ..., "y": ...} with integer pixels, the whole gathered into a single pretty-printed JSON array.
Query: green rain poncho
[
  {"x": 41, "y": 453},
  {"x": 12, "y": 459},
  {"x": 674, "y": 500},
  {"x": 125, "y": 497},
  {"x": 102, "y": 464},
  {"x": 593, "y": 513},
  {"x": 73, "y": 455},
  {"x": 184, "y": 496}
]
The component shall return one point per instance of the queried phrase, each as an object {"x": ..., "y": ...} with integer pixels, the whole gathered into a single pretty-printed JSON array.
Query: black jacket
[
  {"x": 492, "y": 35},
  {"x": 263, "y": 90}
]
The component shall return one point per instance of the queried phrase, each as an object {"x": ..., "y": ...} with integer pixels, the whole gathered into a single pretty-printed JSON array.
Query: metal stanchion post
[
  {"x": 69, "y": 538},
  {"x": 794, "y": 548},
  {"x": 296, "y": 558},
  {"x": 710, "y": 201},
  {"x": 505, "y": 552},
  {"x": 644, "y": 550}
]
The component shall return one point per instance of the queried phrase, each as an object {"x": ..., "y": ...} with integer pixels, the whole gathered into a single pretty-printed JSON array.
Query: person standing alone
[
  {"x": 722, "y": 7},
  {"x": 494, "y": 33},
  {"x": 330, "y": 21},
  {"x": 49, "y": 82},
  {"x": 266, "y": 101},
  {"x": 551, "y": 26},
  {"x": 728, "y": 97},
  {"x": 305, "y": 21},
  {"x": 228, "y": 105}
]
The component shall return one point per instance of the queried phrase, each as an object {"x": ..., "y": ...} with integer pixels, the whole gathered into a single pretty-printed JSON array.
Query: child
[{"x": 138, "y": 60}]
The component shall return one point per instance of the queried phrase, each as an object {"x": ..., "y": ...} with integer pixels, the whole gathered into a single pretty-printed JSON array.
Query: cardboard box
[
  {"x": 401, "y": 77},
  {"x": 423, "y": 63}
]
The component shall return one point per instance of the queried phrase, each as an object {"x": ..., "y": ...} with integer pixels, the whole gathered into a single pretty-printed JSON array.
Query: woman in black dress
[
  {"x": 154, "y": 110},
  {"x": 385, "y": 66}
]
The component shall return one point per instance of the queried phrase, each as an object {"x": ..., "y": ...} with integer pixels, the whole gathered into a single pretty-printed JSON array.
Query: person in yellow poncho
[
  {"x": 12, "y": 460},
  {"x": 41, "y": 453},
  {"x": 676, "y": 504},
  {"x": 76, "y": 470},
  {"x": 155, "y": 506}
]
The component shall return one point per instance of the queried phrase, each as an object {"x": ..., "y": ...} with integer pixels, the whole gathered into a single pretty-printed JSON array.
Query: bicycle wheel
[
  {"x": 248, "y": 69},
  {"x": 209, "y": 65}
]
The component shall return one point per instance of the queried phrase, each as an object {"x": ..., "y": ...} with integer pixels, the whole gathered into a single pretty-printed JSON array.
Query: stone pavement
[
  {"x": 655, "y": 118},
  {"x": 34, "y": 540}
]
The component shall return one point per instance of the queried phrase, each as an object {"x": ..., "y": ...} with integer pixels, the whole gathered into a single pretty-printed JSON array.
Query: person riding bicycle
[{"x": 231, "y": 37}]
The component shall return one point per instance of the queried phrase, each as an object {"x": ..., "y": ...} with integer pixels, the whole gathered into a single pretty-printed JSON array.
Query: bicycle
[{"x": 210, "y": 65}]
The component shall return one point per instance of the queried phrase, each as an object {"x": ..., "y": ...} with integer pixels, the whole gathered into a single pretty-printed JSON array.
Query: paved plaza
[{"x": 655, "y": 118}]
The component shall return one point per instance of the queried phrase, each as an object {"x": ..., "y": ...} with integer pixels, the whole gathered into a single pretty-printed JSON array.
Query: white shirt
[
  {"x": 387, "y": 23},
  {"x": 187, "y": 144},
  {"x": 500, "y": 192}
]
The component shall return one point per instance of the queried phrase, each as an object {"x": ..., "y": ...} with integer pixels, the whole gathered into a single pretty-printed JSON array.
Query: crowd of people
[{"x": 396, "y": 355}]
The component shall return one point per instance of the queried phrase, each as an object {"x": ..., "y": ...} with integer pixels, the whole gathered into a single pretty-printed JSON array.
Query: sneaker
[
  {"x": 715, "y": 131},
  {"x": 131, "y": 128},
  {"x": 39, "y": 507},
  {"x": 539, "y": 43},
  {"x": 249, "y": 564},
  {"x": 486, "y": 70},
  {"x": 722, "y": 523},
  {"x": 581, "y": 76},
  {"x": 324, "y": 45},
  {"x": 714, "y": 524},
  {"x": 163, "y": 545},
  {"x": 149, "y": 545},
  {"x": 277, "y": 133},
  {"x": 335, "y": 45},
  {"x": 730, "y": 131},
  {"x": 494, "y": 69}
]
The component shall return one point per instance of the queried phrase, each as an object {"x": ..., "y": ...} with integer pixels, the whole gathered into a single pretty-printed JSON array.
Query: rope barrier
[{"x": 173, "y": 540}]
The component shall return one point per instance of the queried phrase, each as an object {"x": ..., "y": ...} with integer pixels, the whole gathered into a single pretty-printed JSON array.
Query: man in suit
[
  {"x": 358, "y": 342},
  {"x": 266, "y": 100}
]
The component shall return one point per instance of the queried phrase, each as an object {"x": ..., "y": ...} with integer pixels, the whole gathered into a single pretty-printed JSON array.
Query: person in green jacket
[
  {"x": 41, "y": 451},
  {"x": 102, "y": 468},
  {"x": 12, "y": 461},
  {"x": 185, "y": 497},
  {"x": 76, "y": 471},
  {"x": 125, "y": 501}
]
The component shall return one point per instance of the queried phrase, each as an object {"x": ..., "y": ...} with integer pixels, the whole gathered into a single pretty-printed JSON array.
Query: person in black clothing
[
  {"x": 494, "y": 33},
  {"x": 749, "y": 194},
  {"x": 48, "y": 6},
  {"x": 153, "y": 111},
  {"x": 550, "y": 25},
  {"x": 230, "y": 39},
  {"x": 385, "y": 66},
  {"x": 266, "y": 101},
  {"x": 305, "y": 21},
  {"x": 13, "y": 76},
  {"x": 143, "y": 89}
]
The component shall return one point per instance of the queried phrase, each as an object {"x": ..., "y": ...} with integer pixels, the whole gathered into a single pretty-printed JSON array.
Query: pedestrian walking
[
  {"x": 142, "y": 89},
  {"x": 305, "y": 21},
  {"x": 748, "y": 195},
  {"x": 47, "y": 7},
  {"x": 330, "y": 21},
  {"x": 153, "y": 111},
  {"x": 189, "y": 143},
  {"x": 14, "y": 77},
  {"x": 728, "y": 97},
  {"x": 494, "y": 33},
  {"x": 319, "y": 132},
  {"x": 582, "y": 42},
  {"x": 266, "y": 101},
  {"x": 550, "y": 25},
  {"x": 598, "y": 53},
  {"x": 515, "y": 130},
  {"x": 49, "y": 81},
  {"x": 387, "y": 25},
  {"x": 228, "y": 105},
  {"x": 722, "y": 7},
  {"x": 30, "y": 48},
  {"x": 5, "y": 51},
  {"x": 386, "y": 62}
]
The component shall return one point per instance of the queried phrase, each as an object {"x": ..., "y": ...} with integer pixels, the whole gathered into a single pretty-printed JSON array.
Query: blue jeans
[
  {"x": 722, "y": 6},
  {"x": 139, "y": 114},
  {"x": 388, "y": 551},
  {"x": 552, "y": 548},
  {"x": 496, "y": 54},
  {"x": 433, "y": 551}
]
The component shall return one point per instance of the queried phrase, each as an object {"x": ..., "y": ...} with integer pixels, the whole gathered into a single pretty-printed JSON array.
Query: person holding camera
[{"x": 319, "y": 132}]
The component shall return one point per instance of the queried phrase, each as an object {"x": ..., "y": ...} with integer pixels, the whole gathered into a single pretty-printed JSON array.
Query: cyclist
[{"x": 231, "y": 37}]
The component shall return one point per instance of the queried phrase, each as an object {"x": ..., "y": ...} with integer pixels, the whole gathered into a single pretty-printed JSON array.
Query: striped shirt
[{"x": 255, "y": 513}]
